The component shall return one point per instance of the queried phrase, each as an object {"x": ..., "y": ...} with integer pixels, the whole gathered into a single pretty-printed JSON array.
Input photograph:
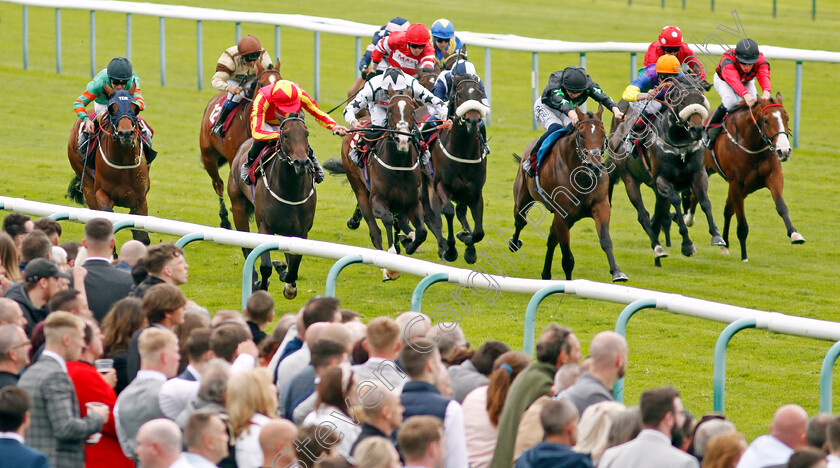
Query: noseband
[
  {"x": 282, "y": 154},
  {"x": 768, "y": 140}
]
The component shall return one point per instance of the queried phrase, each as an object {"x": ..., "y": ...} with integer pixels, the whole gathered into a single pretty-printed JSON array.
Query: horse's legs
[
  {"x": 103, "y": 201},
  {"x": 450, "y": 253},
  {"x": 211, "y": 165},
  {"x": 355, "y": 220},
  {"x": 291, "y": 275},
  {"x": 662, "y": 210},
  {"x": 635, "y": 196},
  {"x": 562, "y": 236},
  {"x": 736, "y": 197},
  {"x": 265, "y": 270},
  {"x": 775, "y": 182},
  {"x": 522, "y": 199},
  {"x": 701, "y": 188},
  {"x": 382, "y": 212},
  {"x": 143, "y": 210},
  {"x": 550, "y": 245},
  {"x": 601, "y": 216},
  {"x": 420, "y": 232},
  {"x": 370, "y": 219},
  {"x": 477, "y": 210}
]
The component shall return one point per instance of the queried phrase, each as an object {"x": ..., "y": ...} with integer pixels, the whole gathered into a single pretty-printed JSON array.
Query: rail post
[
  {"x": 422, "y": 286},
  {"x": 120, "y": 225},
  {"x": 92, "y": 43},
  {"x": 825, "y": 377},
  {"x": 535, "y": 71},
  {"x": 531, "y": 315},
  {"x": 61, "y": 215},
  {"x": 58, "y": 41},
  {"x": 621, "y": 329},
  {"x": 189, "y": 238},
  {"x": 248, "y": 268},
  {"x": 332, "y": 276},
  {"x": 719, "y": 383}
]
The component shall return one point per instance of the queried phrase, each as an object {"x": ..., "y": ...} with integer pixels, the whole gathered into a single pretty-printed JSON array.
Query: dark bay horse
[
  {"x": 460, "y": 166},
  {"x": 749, "y": 155},
  {"x": 121, "y": 177},
  {"x": 215, "y": 150},
  {"x": 672, "y": 162},
  {"x": 571, "y": 184},
  {"x": 283, "y": 199}
]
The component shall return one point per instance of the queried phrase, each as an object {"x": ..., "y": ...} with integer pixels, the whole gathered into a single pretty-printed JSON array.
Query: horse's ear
[
  {"x": 135, "y": 108},
  {"x": 779, "y": 97},
  {"x": 390, "y": 90},
  {"x": 133, "y": 87},
  {"x": 112, "y": 108},
  {"x": 600, "y": 111},
  {"x": 277, "y": 64},
  {"x": 579, "y": 113},
  {"x": 437, "y": 69}
]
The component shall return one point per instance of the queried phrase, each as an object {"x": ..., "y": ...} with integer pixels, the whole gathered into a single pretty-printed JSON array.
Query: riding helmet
[
  {"x": 119, "y": 69},
  {"x": 746, "y": 51},
  {"x": 668, "y": 64},
  {"x": 397, "y": 23},
  {"x": 417, "y": 33},
  {"x": 671, "y": 36},
  {"x": 248, "y": 45},
  {"x": 443, "y": 29},
  {"x": 394, "y": 78},
  {"x": 285, "y": 95},
  {"x": 574, "y": 79}
]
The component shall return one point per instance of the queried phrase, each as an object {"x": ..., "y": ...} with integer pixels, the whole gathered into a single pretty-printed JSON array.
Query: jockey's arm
[
  {"x": 733, "y": 79},
  {"x": 633, "y": 94},
  {"x": 258, "y": 130},
  {"x": 138, "y": 95},
  {"x": 224, "y": 67},
  {"x": 763, "y": 78},
  {"x": 441, "y": 87},
  {"x": 311, "y": 107},
  {"x": 362, "y": 101}
]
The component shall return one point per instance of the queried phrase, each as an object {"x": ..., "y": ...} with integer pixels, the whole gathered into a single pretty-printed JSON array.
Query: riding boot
[
  {"x": 146, "y": 141},
  {"x": 484, "y": 140},
  {"x": 84, "y": 144},
  {"x": 217, "y": 127},
  {"x": 319, "y": 171},
  {"x": 253, "y": 153},
  {"x": 714, "y": 127},
  {"x": 425, "y": 157}
]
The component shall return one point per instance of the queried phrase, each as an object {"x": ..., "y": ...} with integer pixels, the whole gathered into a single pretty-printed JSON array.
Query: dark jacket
[
  {"x": 17, "y": 455},
  {"x": 105, "y": 284},
  {"x": 556, "y": 97},
  {"x": 371, "y": 431},
  {"x": 423, "y": 399},
  {"x": 551, "y": 455},
  {"x": 33, "y": 314},
  {"x": 140, "y": 289}
]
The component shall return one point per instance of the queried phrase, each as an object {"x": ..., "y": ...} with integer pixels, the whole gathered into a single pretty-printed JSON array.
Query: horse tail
[
  {"x": 334, "y": 166},
  {"x": 74, "y": 192},
  {"x": 517, "y": 158}
]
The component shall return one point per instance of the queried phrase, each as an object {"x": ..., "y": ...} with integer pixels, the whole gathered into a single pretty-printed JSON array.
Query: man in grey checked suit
[
  {"x": 58, "y": 430},
  {"x": 662, "y": 414}
]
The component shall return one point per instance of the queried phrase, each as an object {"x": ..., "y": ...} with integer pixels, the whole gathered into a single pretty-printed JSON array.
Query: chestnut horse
[
  {"x": 283, "y": 199},
  {"x": 121, "y": 176},
  {"x": 749, "y": 155},
  {"x": 215, "y": 150},
  {"x": 571, "y": 184}
]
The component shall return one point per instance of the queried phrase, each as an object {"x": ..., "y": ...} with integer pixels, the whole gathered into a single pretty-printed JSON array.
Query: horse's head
[
  {"x": 427, "y": 77},
  {"x": 122, "y": 116},
  {"x": 590, "y": 139},
  {"x": 772, "y": 122},
  {"x": 465, "y": 102},
  {"x": 690, "y": 106},
  {"x": 265, "y": 78},
  {"x": 293, "y": 143},
  {"x": 401, "y": 118}
]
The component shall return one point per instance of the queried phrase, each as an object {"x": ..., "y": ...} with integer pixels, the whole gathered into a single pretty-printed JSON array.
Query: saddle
[
  {"x": 267, "y": 153},
  {"x": 217, "y": 110}
]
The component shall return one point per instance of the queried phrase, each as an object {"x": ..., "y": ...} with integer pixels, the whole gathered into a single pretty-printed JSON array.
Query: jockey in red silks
[
  {"x": 671, "y": 42},
  {"x": 735, "y": 78},
  {"x": 407, "y": 51}
]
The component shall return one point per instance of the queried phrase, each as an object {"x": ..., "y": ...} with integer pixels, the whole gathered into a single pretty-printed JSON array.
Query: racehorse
[
  {"x": 282, "y": 200},
  {"x": 460, "y": 168},
  {"x": 574, "y": 169},
  {"x": 215, "y": 150},
  {"x": 121, "y": 176},
  {"x": 672, "y": 161},
  {"x": 749, "y": 157}
]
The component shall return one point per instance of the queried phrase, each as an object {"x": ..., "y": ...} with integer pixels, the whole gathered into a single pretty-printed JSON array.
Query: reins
[{"x": 283, "y": 156}]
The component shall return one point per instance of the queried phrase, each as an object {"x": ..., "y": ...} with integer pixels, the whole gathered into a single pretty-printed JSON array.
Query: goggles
[
  {"x": 119, "y": 82},
  {"x": 251, "y": 57},
  {"x": 417, "y": 46}
]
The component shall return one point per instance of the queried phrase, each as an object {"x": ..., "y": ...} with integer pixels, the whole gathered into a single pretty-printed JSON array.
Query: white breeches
[
  {"x": 728, "y": 97},
  {"x": 546, "y": 116}
]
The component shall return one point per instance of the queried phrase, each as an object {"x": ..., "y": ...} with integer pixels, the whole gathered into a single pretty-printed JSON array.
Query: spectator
[
  {"x": 270, "y": 345},
  {"x": 68, "y": 300},
  {"x": 326, "y": 363},
  {"x": 105, "y": 284},
  {"x": 565, "y": 377},
  {"x": 138, "y": 403},
  {"x": 625, "y": 426},
  {"x": 608, "y": 352},
  {"x": 594, "y": 428},
  {"x": 484, "y": 406},
  {"x": 175, "y": 394},
  {"x": 815, "y": 432},
  {"x": 9, "y": 263},
  {"x": 57, "y": 428},
  {"x": 158, "y": 444},
  {"x": 163, "y": 307},
  {"x": 559, "y": 420},
  {"x": 451, "y": 343},
  {"x": 359, "y": 355},
  {"x": 251, "y": 403},
  {"x": 212, "y": 393},
  {"x": 259, "y": 312},
  {"x": 14, "y": 353},
  {"x": 194, "y": 319},
  {"x": 11, "y": 313},
  {"x": 473, "y": 372},
  {"x": 422, "y": 443},
  {"x": 807, "y": 457},
  {"x": 125, "y": 317},
  {"x": 298, "y": 361},
  {"x": 130, "y": 253},
  {"x": 382, "y": 344},
  {"x": 232, "y": 342},
  {"x": 833, "y": 442},
  {"x": 787, "y": 433},
  {"x": 318, "y": 309},
  {"x": 662, "y": 414},
  {"x": 336, "y": 395},
  {"x": 42, "y": 280},
  {"x": 348, "y": 316},
  {"x": 310, "y": 448},
  {"x": 376, "y": 452},
  {"x": 50, "y": 227},
  {"x": 164, "y": 263},
  {"x": 420, "y": 396},
  {"x": 326, "y": 354},
  {"x": 556, "y": 346},
  {"x": 72, "y": 249},
  {"x": 383, "y": 417},
  {"x": 59, "y": 257},
  {"x": 36, "y": 244},
  {"x": 17, "y": 225},
  {"x": 14, "y": 421},
  {"x": 277, "y": 443},
  {"x": 724, "y": 450},
  {"x": 706, "y": 431},
  {"x": 228, "y": 316},
  {"x": 94, "y": 387},
  {"x": 206, "y": 439},
  {"x": 413, "y": 325}
]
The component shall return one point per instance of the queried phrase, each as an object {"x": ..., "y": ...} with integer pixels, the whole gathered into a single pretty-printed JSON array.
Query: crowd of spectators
[{"x": 105, "y": 363}]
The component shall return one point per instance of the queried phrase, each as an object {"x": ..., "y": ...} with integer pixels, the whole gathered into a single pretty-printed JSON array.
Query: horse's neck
[
  {"x": 744, "y": 129},
  {"x": 459, "y": 135},
  {"x": 282, "y": 178},
  {"x": 565, "y": 151}
]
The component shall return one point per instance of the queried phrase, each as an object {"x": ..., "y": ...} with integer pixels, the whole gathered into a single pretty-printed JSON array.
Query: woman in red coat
[{"x": 91, "y": 386}]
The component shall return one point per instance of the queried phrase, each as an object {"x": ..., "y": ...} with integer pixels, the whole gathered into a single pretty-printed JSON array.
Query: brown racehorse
[
  {"x": 216, "y": 151},
  {"x": 461, "y": 169},
  {"x": 283, "y": 199},
  {"x": 121, "y": 177},
  {"x": 749, "y": 156},
  {"x": 573, "y": 186}
]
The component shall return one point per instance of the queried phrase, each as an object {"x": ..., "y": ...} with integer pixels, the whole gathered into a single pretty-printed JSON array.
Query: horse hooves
[
  {"x": 515, "y": 245},
  {"x": 718, "y": 241},
  {"x": 464, "y": 236},
  {"x": 290, "y": 291},
  {"x": 279, "y": 266},
  {"x": 451, "y": 254},
  {"x": 390, "y": 275},
  {"x": 745, "y": 260},
  {"x": 724, "y": 250},
  {"x": 689, "y": 250},
  {"x": 688, "y": 220},
  {"x": 619, "y": 277},
  {"x": 796, "y": 238},
  {"x": 225, "y": 224},
  {"x": 353, "y": 223},
  {"x": 659, "y": 252},
  {"x": 469, "y": 254}
]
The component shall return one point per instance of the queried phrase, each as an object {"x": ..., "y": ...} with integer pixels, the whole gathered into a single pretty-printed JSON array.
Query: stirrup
[{"x": 243, "y": 174}]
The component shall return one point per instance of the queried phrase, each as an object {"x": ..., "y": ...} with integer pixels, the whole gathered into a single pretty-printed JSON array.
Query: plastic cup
[{"x": 103, "y": 365}]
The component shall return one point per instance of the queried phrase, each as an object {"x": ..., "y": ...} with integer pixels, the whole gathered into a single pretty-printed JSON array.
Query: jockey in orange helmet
[
  {"x": 407, "y": 50},
  {"x": 670, "y": 41},
  {"x": 279, "y": 100},
  {"x": 235, "y": 71},
  {"x": 638, "y": 92}
]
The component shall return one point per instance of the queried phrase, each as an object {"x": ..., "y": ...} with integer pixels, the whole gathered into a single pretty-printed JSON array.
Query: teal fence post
[
  {"x": 825, "y": 377},
  {"x": 332, "y": 276},
  {"x": 191, "y": 237},
  {"x": 621, "y": 329},
  {"x": 62, "y": 215},
  {"x": 422, "y": 286},
  {"x": 531, "y": 315},
  {"x": 120, "y": 225},
  {"x": 248, "y": 268},
  {"x": 720, "y": 360}
]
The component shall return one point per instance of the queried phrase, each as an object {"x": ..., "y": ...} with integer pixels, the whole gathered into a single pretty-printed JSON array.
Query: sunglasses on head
[
  {"x": 252, "y": 57},
  {"x": 119, "y": 82},
  {"x": 417, "y": 46}
]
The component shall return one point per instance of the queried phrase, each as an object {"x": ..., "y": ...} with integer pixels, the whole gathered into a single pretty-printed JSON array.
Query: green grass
[{"x": 765, "y": 370}]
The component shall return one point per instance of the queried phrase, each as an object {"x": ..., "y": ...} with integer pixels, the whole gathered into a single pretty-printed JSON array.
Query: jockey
[
  {"x": 671, "y": 42},
  {"x": 273, "y": 103},
  {"x": 407, "y": 50},
  {"x": 638, "y": 92},
  {"x": 373, "y": 97},
  {"x": 117, "y": 76},
  {"x": 236, "y": 70},
  {"x": 396, "y": 24},
  {"x": 445, "y": 42},
  {"x": 555, "y": 109},
  {"x": 735, "y": 78}
]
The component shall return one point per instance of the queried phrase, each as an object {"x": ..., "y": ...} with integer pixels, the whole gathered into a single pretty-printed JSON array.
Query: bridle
[
  {"x": 283, "y": 156},
  {"x": 401, "y": 128},
  {"x": 761, "y": 122},
  {"x": 585, "y": 155},
  {"x": 113, "y": 122}
]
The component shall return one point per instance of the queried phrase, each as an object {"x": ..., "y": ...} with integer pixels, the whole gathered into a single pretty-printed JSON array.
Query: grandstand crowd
[{"x": 105, "y": 363}]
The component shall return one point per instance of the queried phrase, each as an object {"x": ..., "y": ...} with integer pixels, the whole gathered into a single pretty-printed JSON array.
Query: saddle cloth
[
  {"x": 545, "y": 148},
  {"x": 217, "y": 110}
]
